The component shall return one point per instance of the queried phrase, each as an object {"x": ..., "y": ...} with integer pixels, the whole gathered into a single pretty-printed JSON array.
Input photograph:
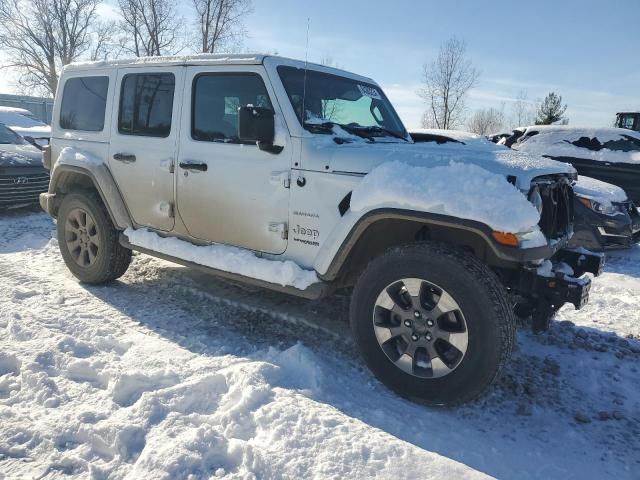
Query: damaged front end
[{"x": 541, "y": 289}]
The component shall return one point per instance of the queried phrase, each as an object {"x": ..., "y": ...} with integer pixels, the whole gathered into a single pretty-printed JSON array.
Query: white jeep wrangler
[{"x": 302, "y": 178}]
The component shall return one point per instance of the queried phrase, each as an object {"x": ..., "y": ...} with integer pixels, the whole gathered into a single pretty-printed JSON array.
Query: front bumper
[
  {"x": 597, "y": 231},
  {"x": 46, "y": 202},
  {"x": 545, "y": 290}
]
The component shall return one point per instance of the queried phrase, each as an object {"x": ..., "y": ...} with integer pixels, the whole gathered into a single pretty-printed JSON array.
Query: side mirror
[
  {"x": 32, "y": 141},
  {"x": 257, "y": 124}
]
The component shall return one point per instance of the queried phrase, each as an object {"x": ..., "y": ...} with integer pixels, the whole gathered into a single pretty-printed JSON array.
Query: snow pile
[
  {"x": 226, "y": 258},
  {"x": 605, "y": 144},
  {"x": 601, "y": 192},
  {"x": 460, "y": 190},
  {"x": 158, "y": 377}
]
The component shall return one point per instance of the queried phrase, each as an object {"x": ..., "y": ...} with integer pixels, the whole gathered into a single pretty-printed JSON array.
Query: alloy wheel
[
  {"x": 81, "y": 236},
  {"x": 420, "y": 328}
]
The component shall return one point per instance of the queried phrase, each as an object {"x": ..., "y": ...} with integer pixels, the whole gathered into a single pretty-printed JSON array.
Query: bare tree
[
  {"x": 486, "y": 121},
  {"x": 150, "y": 27},
  {"x": 221, "y": 23},
  {"x": 447, "y": 80},
  {"x": 522, "y": 111},
  {"x": 39, "y": 37}
]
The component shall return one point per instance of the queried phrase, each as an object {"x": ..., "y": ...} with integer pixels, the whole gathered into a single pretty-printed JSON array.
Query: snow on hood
[
  {"x": 598, "y": 144},
  {"x": 12, "y": 155},
  {"x": 458, "y": 189},
  {"x": 361, "y": 156},
  {"x": 601, "y": 192}
]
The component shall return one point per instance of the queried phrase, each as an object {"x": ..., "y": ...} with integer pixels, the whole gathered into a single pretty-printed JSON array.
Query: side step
[{"x": 313, "y": 292}]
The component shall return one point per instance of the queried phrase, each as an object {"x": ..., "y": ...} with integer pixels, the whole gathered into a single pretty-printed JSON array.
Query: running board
[{"x": 313, "y": 292}]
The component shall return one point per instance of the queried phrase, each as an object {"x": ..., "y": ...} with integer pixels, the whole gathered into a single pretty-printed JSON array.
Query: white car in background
[{"x": 26, "y": 124}]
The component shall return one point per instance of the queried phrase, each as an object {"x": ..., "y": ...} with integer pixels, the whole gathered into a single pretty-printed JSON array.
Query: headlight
[
  {"x": 536, "y": 199},
  {"x": 604, "y": 208}
]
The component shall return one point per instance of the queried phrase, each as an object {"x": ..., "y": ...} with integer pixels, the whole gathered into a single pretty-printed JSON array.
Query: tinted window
[
  {"x": 146, "y": 104},
  {"x": 83, "y": 103},
  {"x": 626, "y": 121},
  {"x": 216, "y": 99}
]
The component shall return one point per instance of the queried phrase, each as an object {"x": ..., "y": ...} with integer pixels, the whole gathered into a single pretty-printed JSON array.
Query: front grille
[
  {"x": 556, "y": 220},
  {"x": 22, "y": 187}
]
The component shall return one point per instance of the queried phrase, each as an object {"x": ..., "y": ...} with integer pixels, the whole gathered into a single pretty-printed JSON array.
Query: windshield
[
  {"x": 339, "y": 100},
  {"x": 9, "y": 136},
  {"x": 17, "y": 119}
]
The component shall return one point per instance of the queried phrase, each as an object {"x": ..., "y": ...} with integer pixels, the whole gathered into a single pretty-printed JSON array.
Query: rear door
[
  {"x": 227, "y": 191},
  {"x": 144, "y": 142}
]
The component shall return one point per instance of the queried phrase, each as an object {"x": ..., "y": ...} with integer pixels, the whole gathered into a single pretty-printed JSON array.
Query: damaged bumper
[{"x": 558, "y": 281}]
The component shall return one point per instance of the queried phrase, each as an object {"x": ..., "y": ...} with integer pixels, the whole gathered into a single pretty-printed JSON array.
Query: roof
[
  {"x": 207, "y": 59},
  {"x": 632, "y": 112}
]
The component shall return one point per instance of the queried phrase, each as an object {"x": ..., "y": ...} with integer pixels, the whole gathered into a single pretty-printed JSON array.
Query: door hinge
[
  {"x": 279, "y": 228},
  {"x": 281, "y": 178},
  {"x": 172, "y": 210}
]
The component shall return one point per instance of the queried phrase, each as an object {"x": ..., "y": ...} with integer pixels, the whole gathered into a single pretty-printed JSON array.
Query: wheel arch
[
  {"x": 379, "y": 230},
  {"x": 68, "y": 178}
]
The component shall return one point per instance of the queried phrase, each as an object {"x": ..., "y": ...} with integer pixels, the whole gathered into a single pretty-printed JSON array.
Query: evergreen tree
[{"x": 551, "y": 110}]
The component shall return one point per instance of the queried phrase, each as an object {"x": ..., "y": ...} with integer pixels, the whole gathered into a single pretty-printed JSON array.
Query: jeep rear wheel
[
  {"x": 433, "y": 323},
  {"x": 88, "y": 240}
]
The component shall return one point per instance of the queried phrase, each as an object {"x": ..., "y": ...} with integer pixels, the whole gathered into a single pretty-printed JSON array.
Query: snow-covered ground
[{"x": 171, "y": 374}]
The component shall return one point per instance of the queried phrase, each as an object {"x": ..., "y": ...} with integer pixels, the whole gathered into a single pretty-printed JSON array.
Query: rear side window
[
  {"x": 83, "y": 104},
  {"x": 146, "y": 104},
  {"x": 215, "y": 103}
]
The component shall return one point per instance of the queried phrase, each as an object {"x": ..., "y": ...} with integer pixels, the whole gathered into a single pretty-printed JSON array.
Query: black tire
[
  {"x": 111, "y": 259},
  {"x": 490, "y": 323}
]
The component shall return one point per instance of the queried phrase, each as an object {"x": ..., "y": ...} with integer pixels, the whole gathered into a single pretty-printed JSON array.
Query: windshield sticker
[{"x": 370, "y": 92}]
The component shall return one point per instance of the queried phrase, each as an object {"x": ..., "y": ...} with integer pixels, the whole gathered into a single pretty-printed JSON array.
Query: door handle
[
  {"x": 124, "y": 157},
  {"x": 198, "y": 166}
]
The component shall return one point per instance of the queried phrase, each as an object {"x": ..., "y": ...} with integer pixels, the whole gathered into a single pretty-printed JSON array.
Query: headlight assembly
[
  {"x": 536, "y": 199},
  {"x": 604, "y": 208}
]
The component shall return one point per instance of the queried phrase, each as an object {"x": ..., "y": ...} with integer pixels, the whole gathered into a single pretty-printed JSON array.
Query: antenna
[
  {"x": 304, "y": 82},
  {"x": 303, "y": 114}
]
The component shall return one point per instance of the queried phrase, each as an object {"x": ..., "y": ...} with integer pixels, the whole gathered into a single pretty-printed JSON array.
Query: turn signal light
[
  {"x": 508, "y": 239},
  {"x": 586, "y": 202}
]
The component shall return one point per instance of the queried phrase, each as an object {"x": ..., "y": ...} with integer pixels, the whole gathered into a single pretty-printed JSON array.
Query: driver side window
[{"x": 216, "y": 98}]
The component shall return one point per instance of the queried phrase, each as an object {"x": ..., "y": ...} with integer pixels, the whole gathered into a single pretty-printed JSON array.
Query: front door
[
  {"x": 143, "y": 148},
  {"x": 230, "y": 192}
]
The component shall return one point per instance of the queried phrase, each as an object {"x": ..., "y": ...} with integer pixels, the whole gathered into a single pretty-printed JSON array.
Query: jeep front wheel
[
  {"x": 88, "y": 240},
  {"x": 432, "y": 322}
]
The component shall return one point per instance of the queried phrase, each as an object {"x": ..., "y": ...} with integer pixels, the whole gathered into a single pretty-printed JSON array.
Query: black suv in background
[{"x": 22, "y": 175}]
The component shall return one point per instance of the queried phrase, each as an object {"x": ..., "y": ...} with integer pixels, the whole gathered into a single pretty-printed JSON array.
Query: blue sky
[{"x": 588, "y": 51}]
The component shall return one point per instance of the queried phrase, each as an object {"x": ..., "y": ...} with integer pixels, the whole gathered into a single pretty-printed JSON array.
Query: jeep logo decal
[{"x": 307, "y": 232}]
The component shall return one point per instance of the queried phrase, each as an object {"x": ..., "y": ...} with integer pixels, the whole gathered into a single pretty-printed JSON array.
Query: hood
[
  {"x": 361, "y": 157},
  {"x": 12, "y": 155},
  {"x": 599, "y": 191}
]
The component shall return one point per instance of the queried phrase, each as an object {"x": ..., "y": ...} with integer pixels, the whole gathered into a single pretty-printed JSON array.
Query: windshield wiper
[
  {"x": 327, "y": 127},
  {"x": 378, "y": 129}
]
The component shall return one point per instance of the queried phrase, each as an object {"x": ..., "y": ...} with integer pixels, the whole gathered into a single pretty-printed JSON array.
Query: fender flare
[
  {"x": 102, "y": 180},
  {"x": 496, "y": 254}
]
